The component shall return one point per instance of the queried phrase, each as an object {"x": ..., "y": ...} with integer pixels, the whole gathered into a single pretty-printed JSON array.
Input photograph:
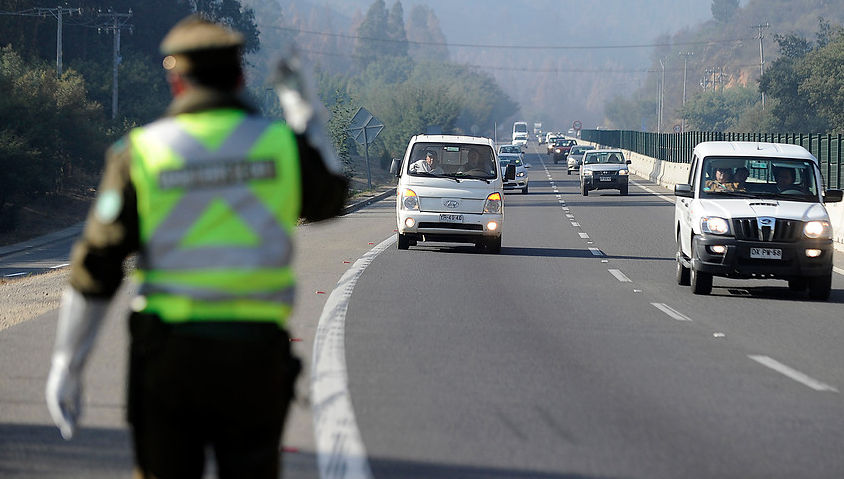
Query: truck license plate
[
  {"x": 606, "y": 178},
  {"x": 766, "y": 253},
  {"x": 445, "y": 218}
]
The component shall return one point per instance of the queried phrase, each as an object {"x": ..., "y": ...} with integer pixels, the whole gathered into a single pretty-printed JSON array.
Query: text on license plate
[
  {"x": 766, "y": 253},
  {"x": 445, "y": 218},
  {"x": 606, "y": 178}
]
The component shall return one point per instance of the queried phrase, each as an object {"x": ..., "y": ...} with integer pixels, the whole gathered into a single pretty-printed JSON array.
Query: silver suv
[{"x": 754, "y": 210}]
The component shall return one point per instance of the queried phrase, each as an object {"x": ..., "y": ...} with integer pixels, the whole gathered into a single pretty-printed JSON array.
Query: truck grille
[
  {"x": 786, "y": 231},
  {"x": 450, "y": 226}
]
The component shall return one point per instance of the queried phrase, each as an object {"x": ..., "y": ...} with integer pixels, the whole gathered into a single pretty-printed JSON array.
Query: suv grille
[{"x": 786, "y": 231}]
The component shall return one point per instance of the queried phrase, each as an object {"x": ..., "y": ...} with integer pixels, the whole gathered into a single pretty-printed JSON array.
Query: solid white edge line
[
  {"x": 620, "y": 276},
  {"x": 339, "y": 447},
  {"x": 792, "y": 373},
  {"x": 671, "y": 312},
  {"x": 838, "y": 270}
]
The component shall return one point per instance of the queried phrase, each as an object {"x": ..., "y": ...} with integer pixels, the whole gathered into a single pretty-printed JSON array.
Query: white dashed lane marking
[
  {"x": 671, "y": 312},
  {"x": 620, "y": 276},
  {"x": 792, "y": 373}
]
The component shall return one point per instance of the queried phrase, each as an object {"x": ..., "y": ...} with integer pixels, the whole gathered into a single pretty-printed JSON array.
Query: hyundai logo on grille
[{"x": 451, "y": 203}]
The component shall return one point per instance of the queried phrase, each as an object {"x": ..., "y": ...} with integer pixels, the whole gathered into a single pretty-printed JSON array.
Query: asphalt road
[{"x": 572, "y": 354}]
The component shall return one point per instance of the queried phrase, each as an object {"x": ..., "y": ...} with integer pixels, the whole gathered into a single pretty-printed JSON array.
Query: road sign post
[{"x": 364, "y": 128}]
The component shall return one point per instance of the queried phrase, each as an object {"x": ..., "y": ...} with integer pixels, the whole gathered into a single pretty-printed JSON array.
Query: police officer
[{"x": 208, "y": 196}]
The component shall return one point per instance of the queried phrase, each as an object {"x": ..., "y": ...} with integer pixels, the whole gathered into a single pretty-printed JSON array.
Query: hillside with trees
[{"x": 721, "y": 60}]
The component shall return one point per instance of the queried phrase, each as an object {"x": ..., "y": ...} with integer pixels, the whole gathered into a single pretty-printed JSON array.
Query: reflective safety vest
[{"x": 219, "y": 195}]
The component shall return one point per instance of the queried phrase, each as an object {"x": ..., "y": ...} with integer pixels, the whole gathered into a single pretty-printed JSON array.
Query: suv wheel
[
  {"x": 584, "y": 190},
  {"x": 682, "y": 271},
  {"x": 623, "y": 190},
  {"x": 700, "y": 282},
  {"x": 404, "y": 241},
  {"x": 797, "y": 284},
  {"x": 820, "y": 286}
]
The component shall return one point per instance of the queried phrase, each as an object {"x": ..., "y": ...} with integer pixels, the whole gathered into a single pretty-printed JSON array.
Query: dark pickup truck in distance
[{"x": 561, "y": 149}]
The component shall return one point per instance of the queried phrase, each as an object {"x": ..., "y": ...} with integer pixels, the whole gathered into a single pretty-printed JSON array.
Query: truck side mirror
[
  {"x": 832, "y": 196},
  {"x": 395, "y": 167},
  {"x": 684, "y": 190},
  {"x": 510, "y": 172}
]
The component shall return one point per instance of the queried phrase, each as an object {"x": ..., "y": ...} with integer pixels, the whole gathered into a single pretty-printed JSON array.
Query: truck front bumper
[{"x": 737, "y": 262}]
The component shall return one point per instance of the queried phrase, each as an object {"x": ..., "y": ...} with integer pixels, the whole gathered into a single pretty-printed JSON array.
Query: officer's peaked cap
[{"x": 196, "y": 42}]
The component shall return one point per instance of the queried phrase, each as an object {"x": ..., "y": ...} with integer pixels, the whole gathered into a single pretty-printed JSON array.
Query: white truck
[
  {"x": 754, "y": 210},
  {"x": 458, "y": 198},
  {"x": 520, "y": 133}
]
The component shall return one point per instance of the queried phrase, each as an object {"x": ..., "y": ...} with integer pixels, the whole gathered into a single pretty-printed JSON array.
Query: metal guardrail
[{"x": 677, "y": 147}]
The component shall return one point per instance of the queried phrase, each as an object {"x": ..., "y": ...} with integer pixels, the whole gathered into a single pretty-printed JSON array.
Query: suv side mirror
[
  {"x": 684, "y": 190},
  {"x": 832, "y": 196},
  {"x": 628, "y": 162},
  {"x": 510, "y": 172},
  {"x": 395, "y": 167}
]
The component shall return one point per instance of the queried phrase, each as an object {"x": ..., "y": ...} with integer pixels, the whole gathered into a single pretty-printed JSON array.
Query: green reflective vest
[{"x": 219, "y": 195}]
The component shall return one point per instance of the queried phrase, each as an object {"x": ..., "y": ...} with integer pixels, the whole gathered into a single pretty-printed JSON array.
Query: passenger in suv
[{"x": 775, "y": 226}]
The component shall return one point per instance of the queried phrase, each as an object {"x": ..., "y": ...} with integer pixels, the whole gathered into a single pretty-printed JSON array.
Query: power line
[{"x": 516, "y": 47}]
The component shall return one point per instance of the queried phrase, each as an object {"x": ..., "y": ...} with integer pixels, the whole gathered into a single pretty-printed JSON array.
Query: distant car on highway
[
  {"x": 511, "y": 149},
  {"x": 550, "y": 137},
  {"x": 576, "y": 157},
  {"x": 521, "y": 179},
  {"x": 561, "y": 149},
  {"x": 604, "y": 170}
]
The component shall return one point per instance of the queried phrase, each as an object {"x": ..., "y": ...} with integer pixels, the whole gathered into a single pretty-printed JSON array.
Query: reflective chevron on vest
[{"x": 218, "y": 199}]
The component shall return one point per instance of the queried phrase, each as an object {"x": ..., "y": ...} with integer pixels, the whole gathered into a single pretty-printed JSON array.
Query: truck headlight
[
  {"x": 714, "y": 225},
  {"x": 817, "y": 229},
  {"x": 409, "y": 200},
  {"x": 493, "y": 203},
  {"x": 587, "y": 172},
  {"x": 521, "y": 173}
]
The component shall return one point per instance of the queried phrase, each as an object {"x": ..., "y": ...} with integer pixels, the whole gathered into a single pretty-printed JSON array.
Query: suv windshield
[
  {"x": 758, "y": 178},
  {"x": 452, "y": 160},
  {"x": 608, "y": 157}
]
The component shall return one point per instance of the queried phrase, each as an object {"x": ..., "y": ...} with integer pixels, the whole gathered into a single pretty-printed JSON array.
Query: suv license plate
[
  {"x": 606, "y": 178},
  {"x": 451, "y": 218},
  {"x": 766, "y": 253}
]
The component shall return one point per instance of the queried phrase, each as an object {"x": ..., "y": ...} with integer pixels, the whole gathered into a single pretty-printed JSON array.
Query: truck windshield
[
  {"x": 779, "y": 178},
  {"x": 453, "y": 160}
]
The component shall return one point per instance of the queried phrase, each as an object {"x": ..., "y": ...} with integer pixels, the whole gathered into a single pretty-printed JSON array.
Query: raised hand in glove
[{"x": 79, "y": 323}]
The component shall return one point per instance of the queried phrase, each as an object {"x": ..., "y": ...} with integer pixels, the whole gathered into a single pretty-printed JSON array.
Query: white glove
[
  {"x": 303, "y": 110},
  {"x": 79, "y": 323}
]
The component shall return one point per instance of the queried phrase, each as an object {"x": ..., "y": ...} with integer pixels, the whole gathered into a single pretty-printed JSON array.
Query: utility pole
[
  {"x": 686, "y": 56},
  {"x": 58, "y": 13},
  {"x": 115, "y": 22},
  {"x": 661, "y": 97},
  {"x": 761, "y": 54}
]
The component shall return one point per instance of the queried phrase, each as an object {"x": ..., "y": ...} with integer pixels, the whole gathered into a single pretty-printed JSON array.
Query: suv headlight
[
  {"x": 714, "y": 225},
  {"x": 817, "y": 229},
  {"x": 409, "y": 200},
  {"x": 623, "y": 172}
]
